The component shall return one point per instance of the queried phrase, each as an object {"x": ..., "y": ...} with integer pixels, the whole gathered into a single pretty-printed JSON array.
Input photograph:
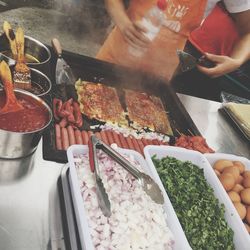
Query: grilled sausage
[
  {"x": 116, "y": 139},
  {"x": 104, "y": 137},
  {"x": 136, "y": 145},
  {"x": 77, "y": 115},
  {"x": 130, "y": 143},
  {"x": 141, "y": 146},
  {"x": 58, "y": 137},
  {"x": 123, "y": 141},
  {"x": 78, "y": 136},
  {"x": 65, "y": 138},
  {"x": 85, "y": 137},
  {"x": 109, "y": 136},
  {"x": 71, "y": 134},
  {"x": 63, "y": 123}
]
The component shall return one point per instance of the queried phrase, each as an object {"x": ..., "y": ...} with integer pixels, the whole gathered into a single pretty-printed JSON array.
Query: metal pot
[
  {"x": 20, "y": 144},
  {"x": 34, "y": 48}
]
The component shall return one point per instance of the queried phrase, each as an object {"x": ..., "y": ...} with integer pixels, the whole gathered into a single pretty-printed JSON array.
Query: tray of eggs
[{"x": 234, "y": 174}]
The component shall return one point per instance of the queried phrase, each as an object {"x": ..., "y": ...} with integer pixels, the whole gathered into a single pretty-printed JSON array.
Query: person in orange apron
[{"x": 182, "y": 16}]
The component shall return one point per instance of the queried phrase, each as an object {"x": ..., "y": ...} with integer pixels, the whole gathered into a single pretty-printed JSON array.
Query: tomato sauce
[{"x": 33, "y": 117}]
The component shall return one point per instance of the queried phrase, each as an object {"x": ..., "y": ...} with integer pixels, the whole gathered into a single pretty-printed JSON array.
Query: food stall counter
[{"x": 30, "y": 214}]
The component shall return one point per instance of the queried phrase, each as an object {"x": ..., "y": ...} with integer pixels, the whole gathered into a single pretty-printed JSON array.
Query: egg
[
  {"x": 217, "y": 172},
  {"x": 246, "y": 182},
  {"x": 241, "y": 209},
  {"x": 235, "y": 197},
  {"x": 246, "y": 174},
  {"x": 240, "y": 166},
  {"x": 245, "y": 196},
  {"x": 220, "y": 165},
  {"x": 239, "y": 179},
  {"x": 232, "y": 170},
  {"x": 247, "y": 227},
  {"x": 237, "y": 188},
  {"x": 248, "y": 215},
  {"x": 227, "y": 180}
]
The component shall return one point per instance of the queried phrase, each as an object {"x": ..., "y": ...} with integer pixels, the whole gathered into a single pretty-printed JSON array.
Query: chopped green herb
[{"x": 199, "y": 212}]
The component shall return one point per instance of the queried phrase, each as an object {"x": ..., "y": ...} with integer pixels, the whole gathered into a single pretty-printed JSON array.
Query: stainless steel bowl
[
  {"x": 20, "y": 144},
  {"x": 34, "y": 48},
  {"x": 38, "y": 80}
]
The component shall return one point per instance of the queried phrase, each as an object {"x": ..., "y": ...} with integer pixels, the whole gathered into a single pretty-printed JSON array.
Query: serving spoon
[{"x": 12, "y": 104}]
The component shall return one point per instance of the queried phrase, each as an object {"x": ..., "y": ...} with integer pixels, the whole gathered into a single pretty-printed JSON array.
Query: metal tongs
[{"x": 148, "y": 184}]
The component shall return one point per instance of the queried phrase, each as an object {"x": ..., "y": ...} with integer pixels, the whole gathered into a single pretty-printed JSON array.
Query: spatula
[
  {"x": 12, "y": 104},
  {"x": 64, "y": 74},
  {"x": 188, "y": 61},
  {"x": 65, "y": 79}
]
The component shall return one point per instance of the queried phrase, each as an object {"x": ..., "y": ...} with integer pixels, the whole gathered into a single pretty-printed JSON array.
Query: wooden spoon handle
[
  {"x": 57, "y": 46},
  {"x": 11, "y": 37}
]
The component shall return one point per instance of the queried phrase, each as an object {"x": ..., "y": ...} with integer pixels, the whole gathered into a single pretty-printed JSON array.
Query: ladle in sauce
[{"x": 12, "y": 104}]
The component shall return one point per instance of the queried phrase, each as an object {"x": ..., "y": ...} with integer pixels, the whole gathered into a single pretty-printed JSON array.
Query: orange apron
[{"x": 160, "y": 58}]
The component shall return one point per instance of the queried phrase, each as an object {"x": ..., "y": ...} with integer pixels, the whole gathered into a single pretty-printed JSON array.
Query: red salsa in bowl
[{"x": 34, "y": 117}]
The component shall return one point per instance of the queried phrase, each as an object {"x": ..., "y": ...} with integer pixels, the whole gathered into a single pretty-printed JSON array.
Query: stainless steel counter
[
  {"x": 26, "y": 185},
  {"x": 219, "y": 133}
]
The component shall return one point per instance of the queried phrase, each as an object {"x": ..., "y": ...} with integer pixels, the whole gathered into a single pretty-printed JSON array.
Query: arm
[
  {"x": 131, "y": 31},
  {"x": 240, "y": 53}
]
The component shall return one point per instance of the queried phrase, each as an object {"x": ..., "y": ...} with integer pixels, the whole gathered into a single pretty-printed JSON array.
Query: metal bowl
[
  {"x": 20, "y": 144},
  {"x": 32, "y": 47},
  {"x": 40, "y": 82}
]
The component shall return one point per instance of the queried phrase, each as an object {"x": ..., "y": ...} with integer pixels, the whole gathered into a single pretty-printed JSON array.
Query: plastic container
[
  {"x": 152, "y": 21},
  {"x": 85, "y": 237},
  {"x": 212, "y": 158},
  {"x": 241, "y": 237}
]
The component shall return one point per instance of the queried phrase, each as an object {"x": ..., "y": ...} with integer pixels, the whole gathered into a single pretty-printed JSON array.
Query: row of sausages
[{"x": 70, "y": 136}]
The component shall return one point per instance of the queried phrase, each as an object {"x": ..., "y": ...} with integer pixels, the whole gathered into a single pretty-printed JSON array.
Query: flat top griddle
[{"x": 93, "y": 70}]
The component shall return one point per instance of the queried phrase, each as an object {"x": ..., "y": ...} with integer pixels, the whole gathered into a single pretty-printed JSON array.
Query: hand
[
  {"x": 223, "y": 65},
  {"x": 133, "y": 33}
]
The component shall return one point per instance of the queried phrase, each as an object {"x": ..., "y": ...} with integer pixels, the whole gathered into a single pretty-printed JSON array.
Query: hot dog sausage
[
  {"x": 109, "y": 136},
  {"x": 65, "y": 138},
  {"x": 123, "y": 141},
  {"x": 85, "y": 137},
  {"x": 130, "y": 142},
  {"x": 78, "y": 136},
  {"x": 77, "y": 114},
  {"x": 58, "y": 137},
  {"x": 104, "y": 137},
  {"x": 63, "y": 123},
  {"x": 71, "y": 134},
  {"x": 116, "y": 139},
  {"x": 141, "y": 146},
  {"x": 136, "y": 145}
]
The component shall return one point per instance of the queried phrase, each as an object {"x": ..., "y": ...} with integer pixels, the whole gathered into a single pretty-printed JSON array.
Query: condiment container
[{"x": 241, "y": 237}]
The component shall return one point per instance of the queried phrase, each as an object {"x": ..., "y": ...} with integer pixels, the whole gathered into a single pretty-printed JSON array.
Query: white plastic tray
[
  {"x": 172, "y": 220},
  {"x": 241, "y": 237},
  {"x": 212, "y": 158}
]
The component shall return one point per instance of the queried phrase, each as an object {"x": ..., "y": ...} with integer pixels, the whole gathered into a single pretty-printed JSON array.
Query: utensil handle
[
  {"x": 91, "y": 155},
  {"x": 121, "y": 160},
  {"x": 57, "y": 46}
]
